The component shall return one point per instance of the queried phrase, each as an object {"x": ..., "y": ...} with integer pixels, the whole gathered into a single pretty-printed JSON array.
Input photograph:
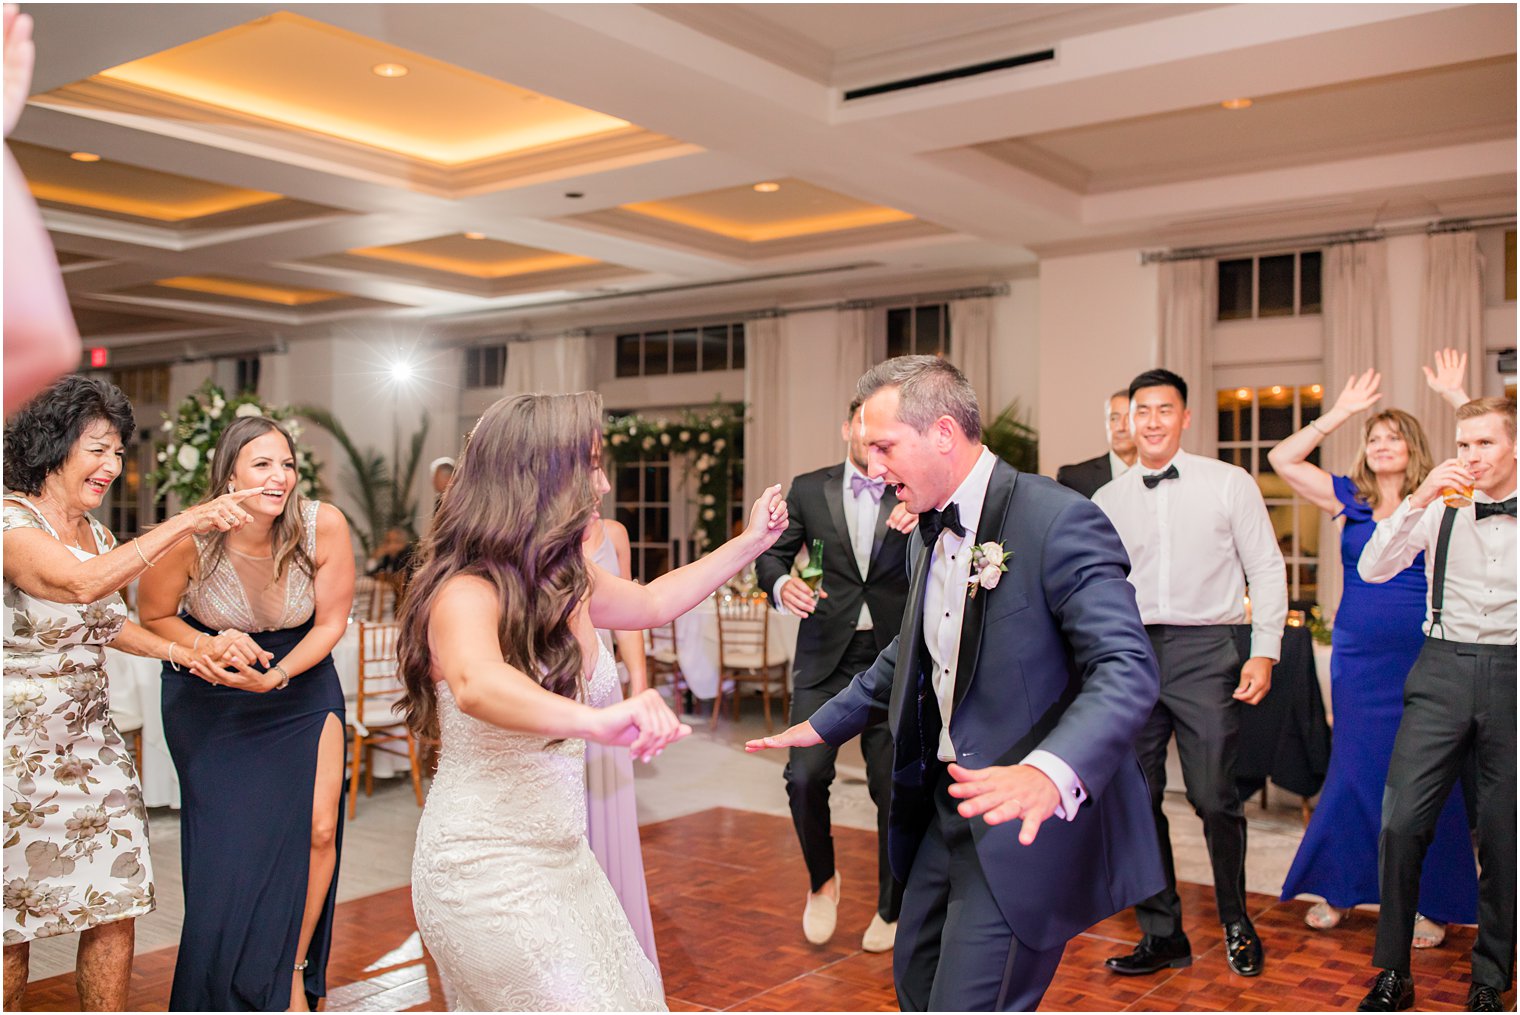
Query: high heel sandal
[
  {"x": 1428, "y": 931},
  {"x": 1323, "y": 916}
]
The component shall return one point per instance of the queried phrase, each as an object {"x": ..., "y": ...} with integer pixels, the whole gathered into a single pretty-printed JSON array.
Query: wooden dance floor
[{"x": 727, "y": 887}]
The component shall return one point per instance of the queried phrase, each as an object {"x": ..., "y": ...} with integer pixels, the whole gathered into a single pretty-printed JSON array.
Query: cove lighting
[
  {"x": 84, "y": 156},
  {"x": 767, "y": 187},
  {"x": 474, "y": 236},
  {"x": 1236, "y": 103},
  {"x": 390, "y": 70}
]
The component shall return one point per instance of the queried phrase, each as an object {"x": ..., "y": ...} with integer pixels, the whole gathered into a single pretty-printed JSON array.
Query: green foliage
[
  {"x": 1013, "y": 439},
  {"x": 1319, "y": 628},
  {"x": 708, "y": 437}
]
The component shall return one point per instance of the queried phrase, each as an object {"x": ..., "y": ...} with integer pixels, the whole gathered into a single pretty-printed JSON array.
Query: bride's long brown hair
[{"x": 515, "y": 515}]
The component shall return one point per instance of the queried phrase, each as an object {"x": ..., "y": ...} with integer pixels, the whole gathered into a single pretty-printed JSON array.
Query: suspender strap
[{"x": 1438, "y": 581}]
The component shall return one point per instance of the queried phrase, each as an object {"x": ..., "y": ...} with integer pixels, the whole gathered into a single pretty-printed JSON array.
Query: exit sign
[{"x": 99, "y": 356}]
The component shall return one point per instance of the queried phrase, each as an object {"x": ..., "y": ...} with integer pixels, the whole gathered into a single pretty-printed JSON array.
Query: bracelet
[
  {"x": 172, "y": 663},
  {"x": 1322, "y": 433},
  {"x": 140, "y": 553},
  {"x": 196, "y": 644},
  {"x": 284, "y": 677}
]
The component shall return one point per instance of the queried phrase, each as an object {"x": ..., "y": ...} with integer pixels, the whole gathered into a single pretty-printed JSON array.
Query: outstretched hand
[
  {"x": 643, "y": 723},
  {"x": 1004, "y": 792},
  {"x": 768, "y": 518},
  {"x": 1360, "y": 393},
  {"x": 1449, "y": 379},
  {"x": 800, "y": 735}
]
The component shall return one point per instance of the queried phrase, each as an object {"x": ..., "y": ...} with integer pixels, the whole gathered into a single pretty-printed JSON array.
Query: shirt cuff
[
  {"x": 1067, "y": 784},
  {"x": 1264, "y": 643},
  {"x": 776, "y": 593}
]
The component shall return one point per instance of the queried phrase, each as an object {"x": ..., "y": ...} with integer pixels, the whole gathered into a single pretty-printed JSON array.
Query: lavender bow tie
[{"x": 872, "y": 486}]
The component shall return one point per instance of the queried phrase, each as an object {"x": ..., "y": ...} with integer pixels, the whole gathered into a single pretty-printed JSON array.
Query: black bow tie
[
  {"x": 1155, "y": 479},
  {"x": 932, "y": 523},
  {"x": 1485, "y": 508}
]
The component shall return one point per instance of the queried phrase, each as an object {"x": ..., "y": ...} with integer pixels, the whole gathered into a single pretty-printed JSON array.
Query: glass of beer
[
  {"x": 812, "y": 571},
  {"x": 1457, "y": 496}
]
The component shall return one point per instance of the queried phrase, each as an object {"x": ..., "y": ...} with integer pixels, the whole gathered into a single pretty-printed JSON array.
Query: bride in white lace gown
[{"x": 509, "y": 898}]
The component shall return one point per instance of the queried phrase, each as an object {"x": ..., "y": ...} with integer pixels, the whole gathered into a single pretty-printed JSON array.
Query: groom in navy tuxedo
[{"x": 1020, "y": 816}]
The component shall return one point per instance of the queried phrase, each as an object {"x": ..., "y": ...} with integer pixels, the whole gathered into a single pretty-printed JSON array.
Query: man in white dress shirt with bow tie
[
  {"x": 1459, "y": 699},
  {"x": 1197, "y": 532}
]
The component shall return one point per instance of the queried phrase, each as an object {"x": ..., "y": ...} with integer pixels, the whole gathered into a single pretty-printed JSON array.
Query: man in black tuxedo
[
  {"x": 858, "y": 611},
  {"x": 1015, "y": 690},
  {"x": 1086, "y": 477}
]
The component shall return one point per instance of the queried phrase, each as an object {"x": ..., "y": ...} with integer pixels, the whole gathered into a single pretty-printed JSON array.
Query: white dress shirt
[
  {"x": 860, "y": 518},
  {"x": 1194, "y": 542},
  {"x": 944, "y": 613},
  {"x": 1479, "y": 607}
]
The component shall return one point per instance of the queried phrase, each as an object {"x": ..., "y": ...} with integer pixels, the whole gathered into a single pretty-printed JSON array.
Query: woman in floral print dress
[{"x": 76, "y": 836}]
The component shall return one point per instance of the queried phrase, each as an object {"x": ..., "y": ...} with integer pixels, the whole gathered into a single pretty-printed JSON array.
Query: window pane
[
  {"x": 715, "y": 347},
  {"x": 1234, "y": 414},
  {"x": 627, "y": 485},
  {"x": 683, "y": 352},
  {"x": 1275, "y": 412},
  {"x": 929, "y": 330},
  {"x": 1308, "y": 583},
  {"x": 657, "y": 483},
  {"x": 899, "y": 332},
  {"x": 656, "y": 524},
  {"x": 1310, "y": 267},
  {"x": 1235, "y": 289},
  {"x": 1275, "y": 280},
  {"x": 736, "y": 348},
  {"x": 656, "y": 562},
  {"x": 628, "y": 355},
  {"x": 629, "y": 519},
  {"x": 656, "y": 353}
]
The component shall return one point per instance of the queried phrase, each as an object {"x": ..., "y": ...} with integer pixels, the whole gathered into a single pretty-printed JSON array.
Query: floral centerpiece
[
  {"x": 190, "y": 435},
  {"x": 709, "y": 438}
]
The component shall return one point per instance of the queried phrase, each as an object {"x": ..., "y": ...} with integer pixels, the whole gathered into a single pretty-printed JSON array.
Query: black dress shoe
[
  {"x": 1152, "y": 955},
  {"x": 1242, "y": 948},
  {"x": 1391, "y": 991},
  {"x": 1481, "y": 998}
]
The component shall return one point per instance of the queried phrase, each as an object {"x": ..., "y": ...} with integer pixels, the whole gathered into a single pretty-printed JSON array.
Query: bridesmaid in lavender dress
[{"x": 612, "y": 820}]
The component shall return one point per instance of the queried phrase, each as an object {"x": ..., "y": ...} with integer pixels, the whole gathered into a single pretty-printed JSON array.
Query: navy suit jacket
[{"x": 1055, "y": 657}]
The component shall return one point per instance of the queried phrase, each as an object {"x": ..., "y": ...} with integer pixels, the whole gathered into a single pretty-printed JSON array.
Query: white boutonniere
[{"x": 988, "y": 562}]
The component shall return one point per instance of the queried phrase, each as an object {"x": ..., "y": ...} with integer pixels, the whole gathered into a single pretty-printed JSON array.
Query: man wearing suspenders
[{"x": 1459, "y": 699}]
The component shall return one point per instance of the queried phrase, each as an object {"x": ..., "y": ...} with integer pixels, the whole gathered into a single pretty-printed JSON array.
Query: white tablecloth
[
  {"x": 135, "y": 686},
  {"x": 697, "y": 645}
]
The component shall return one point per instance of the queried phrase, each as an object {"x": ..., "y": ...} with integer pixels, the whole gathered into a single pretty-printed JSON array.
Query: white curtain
[
  {"x": 1451, "y": 317},
  {"x": 853, "y": 355},
  {"x": 1356, "y": 337},
  {"x": 971, "y": 348},
  {"x": 1185, "y": 326},
  {"x": 519, "y": 375},
  {"x": 555, "y": 365},
  {"x": 766, "y": 404}
]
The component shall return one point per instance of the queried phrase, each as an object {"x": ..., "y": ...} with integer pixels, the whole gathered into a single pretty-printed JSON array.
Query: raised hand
[
  {"x": 800, "y": 735},
  {"x": 768, "y": 518},
  {"x": 901, "y": 519},
  {"x": 1360, "y": 393},
  {"x": 1004, "y": 792},
  {"x": 225, "y": 514},
  {"x": 20, "y": 55},
  {"x": 1449, "y": 379}
]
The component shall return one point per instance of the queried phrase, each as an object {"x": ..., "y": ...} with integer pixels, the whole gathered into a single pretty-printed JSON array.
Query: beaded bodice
[{"x": 242, "y": 591}]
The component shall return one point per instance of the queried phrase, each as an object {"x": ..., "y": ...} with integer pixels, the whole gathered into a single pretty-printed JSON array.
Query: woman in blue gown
[
  {"x": 259, "y": 752},
  {"x": 1376, "y": 638}
]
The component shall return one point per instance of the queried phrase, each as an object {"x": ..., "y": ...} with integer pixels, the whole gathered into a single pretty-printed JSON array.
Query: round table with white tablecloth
[
  {"x": 697, "y": 645},
  {"x": 135, "y": 685}
]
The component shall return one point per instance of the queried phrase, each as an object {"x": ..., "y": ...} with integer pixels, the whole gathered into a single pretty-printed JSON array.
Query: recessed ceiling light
[
  {"x": 84, "y": 156},
  {"x": 391, "y": 70},
  {"x": 1236, "y": 103},
  {"x": 767, "y": 187},
  {"x": 474, "y": 236}
]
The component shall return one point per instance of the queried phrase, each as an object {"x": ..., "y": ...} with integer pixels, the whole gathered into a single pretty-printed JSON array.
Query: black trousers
[
  {"x": 810, "y": 773},
  {"x": 1459, "y": 706},
  {"x": 1200, "y": 669},
  {"x": 955, "y": 952}
]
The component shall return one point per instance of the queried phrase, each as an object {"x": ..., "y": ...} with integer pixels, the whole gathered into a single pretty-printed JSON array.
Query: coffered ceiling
[{"x": 474, "y": 169}]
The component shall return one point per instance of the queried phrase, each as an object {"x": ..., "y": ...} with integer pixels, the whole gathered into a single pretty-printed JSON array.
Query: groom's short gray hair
[{"x": 928, "y": 387}]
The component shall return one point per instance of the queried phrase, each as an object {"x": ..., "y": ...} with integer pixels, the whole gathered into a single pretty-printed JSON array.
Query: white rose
[
  {"x": 188, "y": 458},
  {"x": 647, "y": 443},
  {"x": 216, "y": 412},
  {"x": 703, "y": 438},
  {"x": 665, "y": 439},
  {"x": 248, "y": 409},
  {"x": 708, "y": 498},
  {"x": 167, "y": 426},
  {"x": 618, "y": 438},
  {"x": 719, "y": 445},
  {"x": 992, "y": 551},
  {"x": 685, "y": 435},
  {"x": 990, "y": 576},
  {"x": 708, "y": 514}
]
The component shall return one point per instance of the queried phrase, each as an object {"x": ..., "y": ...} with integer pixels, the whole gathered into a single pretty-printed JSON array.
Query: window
[
  {"x": 145, "y": 386},
  {"x": 1251, "y": 422},
  {"x": 686, "y": 350},
  {"x": 918, "y": 330},
  {"x": 641, "y": 501},
  {"x": 1277, "y": 285},
  {"x": 485, "y": 366},
  {"x": 246, "y": 374}
]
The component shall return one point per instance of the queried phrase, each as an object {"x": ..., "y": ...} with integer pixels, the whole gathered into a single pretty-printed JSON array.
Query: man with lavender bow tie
[{"x": 857, "y": 612}]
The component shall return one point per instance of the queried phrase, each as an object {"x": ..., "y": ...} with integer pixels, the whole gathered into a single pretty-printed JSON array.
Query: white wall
[
  {"x": 1016, "y": 349},
  {"x": 1097, "y": 330}
]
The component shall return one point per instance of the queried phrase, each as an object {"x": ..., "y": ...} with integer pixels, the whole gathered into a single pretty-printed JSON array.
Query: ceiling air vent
[{"x": 950, "y": 75}]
